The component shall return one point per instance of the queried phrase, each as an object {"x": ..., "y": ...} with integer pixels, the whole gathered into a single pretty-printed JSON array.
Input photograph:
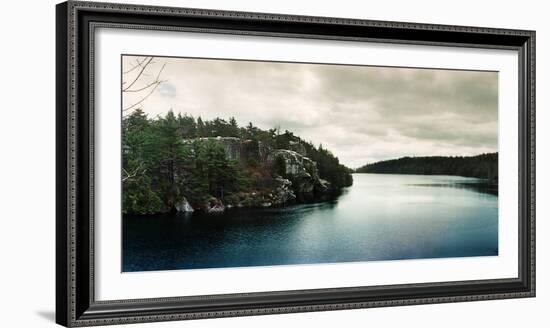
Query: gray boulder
[
  {"x": 214, "y": 206},
  {"x": 282, "y": 193},
  {"x": 301, "y": 171},
  {"x": 184, "y": 206}
]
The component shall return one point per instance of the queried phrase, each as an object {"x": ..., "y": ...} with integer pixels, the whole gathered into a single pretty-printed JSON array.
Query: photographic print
[
  {"x": 237, "y": 163},
  {"x": 217, "y": 163}
]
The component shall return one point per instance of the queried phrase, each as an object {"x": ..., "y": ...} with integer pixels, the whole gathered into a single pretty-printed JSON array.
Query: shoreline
[
  {"x": 431, "y": 175},
  {"x": 331, "y": 199}
]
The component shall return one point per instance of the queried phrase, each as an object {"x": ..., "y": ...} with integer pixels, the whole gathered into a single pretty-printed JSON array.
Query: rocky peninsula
[{"x": 177, "y": 163}]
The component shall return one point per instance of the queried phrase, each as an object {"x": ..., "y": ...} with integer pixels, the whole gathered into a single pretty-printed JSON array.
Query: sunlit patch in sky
[{"x": 167, "y": 89}]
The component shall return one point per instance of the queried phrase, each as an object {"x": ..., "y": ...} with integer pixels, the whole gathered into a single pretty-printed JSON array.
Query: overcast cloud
[{"x": 362, "y": 114}]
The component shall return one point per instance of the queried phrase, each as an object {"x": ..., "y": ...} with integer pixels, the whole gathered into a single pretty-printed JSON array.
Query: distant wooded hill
[{"x": 483, "y": 166}]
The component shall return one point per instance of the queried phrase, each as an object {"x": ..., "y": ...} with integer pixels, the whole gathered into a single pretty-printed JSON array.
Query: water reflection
[
  {"x": 481, "y": 187},
  {"x": 381, "y": 217}
]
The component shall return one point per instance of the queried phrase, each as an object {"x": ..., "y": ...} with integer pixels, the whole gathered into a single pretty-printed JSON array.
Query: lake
[{"x": 381, "y": 217}]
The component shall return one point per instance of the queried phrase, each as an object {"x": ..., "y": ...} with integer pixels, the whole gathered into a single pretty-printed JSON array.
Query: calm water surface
[{"x": 381, "y": 217}]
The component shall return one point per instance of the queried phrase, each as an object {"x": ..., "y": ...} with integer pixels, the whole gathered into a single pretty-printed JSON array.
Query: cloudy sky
[{"x": 362, "y": 114}]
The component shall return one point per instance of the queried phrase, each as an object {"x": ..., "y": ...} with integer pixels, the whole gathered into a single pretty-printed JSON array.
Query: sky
[{"x": 362, "y": 114}]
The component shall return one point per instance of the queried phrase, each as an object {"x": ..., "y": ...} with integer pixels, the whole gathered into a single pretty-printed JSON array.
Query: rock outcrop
[
  {"x": 184, "y": 206},
  {"x": 301, "y": 171},
  {"x": 298, "y": 147},
  {"x": 293, "y": 176},
  {"x": 240, "y": 150},
  {"x": 233, "y": 147},
  {"x": 283, "y": 193},
  {"x": 214, "y": 206}
]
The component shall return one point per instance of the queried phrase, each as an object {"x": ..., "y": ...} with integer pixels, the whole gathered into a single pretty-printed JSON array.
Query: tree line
[{"x": 484, "y": 166}]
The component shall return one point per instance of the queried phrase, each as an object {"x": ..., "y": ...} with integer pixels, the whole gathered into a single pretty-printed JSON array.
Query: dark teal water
[{"x": 381, "y": 217}]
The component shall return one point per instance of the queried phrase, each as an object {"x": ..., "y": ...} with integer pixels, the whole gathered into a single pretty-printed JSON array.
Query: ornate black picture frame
[{"x": 75, "y": 301}]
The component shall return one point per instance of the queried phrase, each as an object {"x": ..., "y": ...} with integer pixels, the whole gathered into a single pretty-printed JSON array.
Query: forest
[
  {"x": 484, "y": 166},
  {"x": 179, "y": 162}
]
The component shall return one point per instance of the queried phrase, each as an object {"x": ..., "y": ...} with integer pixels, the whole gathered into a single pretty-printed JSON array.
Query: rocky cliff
[
  {"x": 182, "y": 163},
  {"x": 238, "y": 149},
  {"x": 301, "y": 171},
  {"x": 287, "y": 176}
]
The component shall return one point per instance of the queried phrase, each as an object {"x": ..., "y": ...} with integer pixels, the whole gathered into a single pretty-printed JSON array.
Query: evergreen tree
[
  {"x": 201, "y": 128},
  {"x": 187, "y": 126},
  {"x": 233, "y": 128}
]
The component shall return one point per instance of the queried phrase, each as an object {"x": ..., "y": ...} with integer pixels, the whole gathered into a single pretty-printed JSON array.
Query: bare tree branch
[
  {"x": 148, "y": 88},
  {"x": 139, "y": 74},
  {"x": 142, "y": 99},
  {"x": 150, "y": 84},
  {"x": 136, "y": 172},
  {"x": 139, "y": 64}
]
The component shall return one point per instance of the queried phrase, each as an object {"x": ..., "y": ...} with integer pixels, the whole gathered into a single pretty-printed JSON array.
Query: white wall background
[{"x": 27, "y": 161}]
